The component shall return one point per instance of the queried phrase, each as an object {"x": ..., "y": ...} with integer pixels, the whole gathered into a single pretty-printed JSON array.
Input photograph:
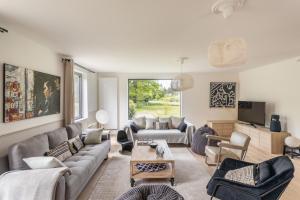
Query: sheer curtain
[{"x": 69, "y": 91}]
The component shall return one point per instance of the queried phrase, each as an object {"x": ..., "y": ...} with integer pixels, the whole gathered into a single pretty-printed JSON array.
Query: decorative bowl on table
[{"x": 153, "y": 145}]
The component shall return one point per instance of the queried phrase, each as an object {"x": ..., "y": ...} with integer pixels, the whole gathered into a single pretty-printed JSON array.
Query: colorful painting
[
  {"x": 29, "y": 93},
  {"x": 222, "y": 94},
  {"x": 14, "y": 93}
]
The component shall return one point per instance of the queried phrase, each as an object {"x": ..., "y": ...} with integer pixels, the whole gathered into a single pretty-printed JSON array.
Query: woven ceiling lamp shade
[
  {"x": 227, "y": 53},
  {"x": 182, "y": 81}
]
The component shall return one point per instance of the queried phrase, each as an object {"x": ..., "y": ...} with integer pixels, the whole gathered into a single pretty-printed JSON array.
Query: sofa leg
[{"x": 106, "y": 157}]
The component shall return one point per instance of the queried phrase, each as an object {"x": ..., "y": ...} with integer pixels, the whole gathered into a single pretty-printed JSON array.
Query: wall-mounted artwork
[
  {"x": 222, "y": 94},
  {"x": 29, "y": 93}
]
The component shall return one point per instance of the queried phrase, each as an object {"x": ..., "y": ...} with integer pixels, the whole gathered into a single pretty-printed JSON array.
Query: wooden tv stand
[{"x": 263, "y": 138}]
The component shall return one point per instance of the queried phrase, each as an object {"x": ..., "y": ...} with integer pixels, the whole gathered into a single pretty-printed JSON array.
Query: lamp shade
[
  {"x": 182, "y": 82},
  {"x": 102, "y": 116}
]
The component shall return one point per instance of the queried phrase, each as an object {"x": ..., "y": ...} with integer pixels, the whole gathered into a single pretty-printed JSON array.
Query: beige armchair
[{"x": 234, "y": 147}]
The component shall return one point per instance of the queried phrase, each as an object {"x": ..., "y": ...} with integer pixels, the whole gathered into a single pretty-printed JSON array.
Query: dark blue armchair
[{"x": 270, "y": 189}]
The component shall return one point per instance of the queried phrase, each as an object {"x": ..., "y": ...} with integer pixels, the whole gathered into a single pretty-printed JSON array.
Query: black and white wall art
[{"x": 222, "y": 94}]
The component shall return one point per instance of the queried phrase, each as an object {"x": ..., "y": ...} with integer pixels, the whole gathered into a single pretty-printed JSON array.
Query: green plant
[{"x": 132, "y": 109}]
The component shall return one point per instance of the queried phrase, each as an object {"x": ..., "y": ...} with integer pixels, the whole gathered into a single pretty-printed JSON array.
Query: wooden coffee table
[{"x": 146, "y": 154}]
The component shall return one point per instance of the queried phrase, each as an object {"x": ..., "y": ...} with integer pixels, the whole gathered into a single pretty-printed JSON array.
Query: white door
[{"x": 108, "y": 100}]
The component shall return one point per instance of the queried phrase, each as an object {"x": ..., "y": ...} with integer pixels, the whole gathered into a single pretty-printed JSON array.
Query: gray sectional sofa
[{"x": 82, "y": 164}]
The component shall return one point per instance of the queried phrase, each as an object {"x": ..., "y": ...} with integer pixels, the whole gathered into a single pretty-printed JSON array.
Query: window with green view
[{"x": 152, "y": 97}]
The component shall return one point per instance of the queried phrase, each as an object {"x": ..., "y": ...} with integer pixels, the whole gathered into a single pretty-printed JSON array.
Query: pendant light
[{"x": 182, "y": 81}]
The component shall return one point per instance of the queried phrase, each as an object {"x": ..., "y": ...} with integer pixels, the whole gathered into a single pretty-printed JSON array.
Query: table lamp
[{"x": 102, "y": 117}]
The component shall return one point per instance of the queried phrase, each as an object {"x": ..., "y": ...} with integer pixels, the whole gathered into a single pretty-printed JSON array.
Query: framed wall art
[
  {"x": 29, "y": 93},
  {"x": 222, "y": 95}
]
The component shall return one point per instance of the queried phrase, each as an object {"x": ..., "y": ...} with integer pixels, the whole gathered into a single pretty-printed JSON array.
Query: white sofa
[{"x": 170, "y": 135}]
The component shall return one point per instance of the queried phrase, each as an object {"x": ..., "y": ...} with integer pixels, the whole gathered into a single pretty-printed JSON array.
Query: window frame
[
  {"x": 80, "y": 75},
  {"x": 151, "y": 79}
]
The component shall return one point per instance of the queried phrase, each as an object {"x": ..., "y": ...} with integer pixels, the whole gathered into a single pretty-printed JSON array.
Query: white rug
[{"x": 190, "y": 179}]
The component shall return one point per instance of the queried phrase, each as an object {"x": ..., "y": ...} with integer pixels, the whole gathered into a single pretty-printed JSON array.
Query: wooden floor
[{"x": 254, "y": 155}]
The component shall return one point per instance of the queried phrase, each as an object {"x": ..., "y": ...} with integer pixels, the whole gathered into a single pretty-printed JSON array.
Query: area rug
[{"x": 190, "y": 179}]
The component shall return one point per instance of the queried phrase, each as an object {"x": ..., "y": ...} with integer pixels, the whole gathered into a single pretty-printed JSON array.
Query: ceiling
[{"x": 149, "y": 35}]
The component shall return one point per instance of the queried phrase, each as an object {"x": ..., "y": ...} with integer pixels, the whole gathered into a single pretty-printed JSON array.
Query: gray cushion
[
  {"x": 57, "y": 137},
  {"x": 35, "y": 146},
  {"x": 167, "y": 119},
  {"x": 74, "y": 130},
  {"x": 170, "y": 135},
  {"x": 83, "y": 165}
]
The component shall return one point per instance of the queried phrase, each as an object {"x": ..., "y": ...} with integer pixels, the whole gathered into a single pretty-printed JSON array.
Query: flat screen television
[{"x": 252, "y": 112}]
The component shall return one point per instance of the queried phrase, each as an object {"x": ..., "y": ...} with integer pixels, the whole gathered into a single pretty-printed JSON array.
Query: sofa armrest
[
  {"x": 231, "y": 146},
  {"x": 190, "y": 129},
  {"x": 215, "y": 137}
]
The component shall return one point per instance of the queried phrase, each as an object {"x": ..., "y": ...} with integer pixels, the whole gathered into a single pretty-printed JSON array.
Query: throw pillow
[
  {"x": 176, "y": 121},
  {"x": 78, "y": 144},
  {"x": 140, "y": 122},
  {"x": 150, "y": 123},
  {"x": 134, "y": 127},
  {"x": 243, "y": 175},
  {"x": 168, "y": 120},
  {"x": 43, "y": 162},
  {"x": 61, "y": 152},
  {"x": 93, "y": 137},
  {"x": 71, "y": 145},
  {"x": 182, "y": 127},
  {"x": 163, "y": 125}
]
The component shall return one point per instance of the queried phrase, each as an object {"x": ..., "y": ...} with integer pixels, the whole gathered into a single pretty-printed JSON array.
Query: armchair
[
  {"x": 269, "y": 189},
  {"x": 234, "y": 147}
]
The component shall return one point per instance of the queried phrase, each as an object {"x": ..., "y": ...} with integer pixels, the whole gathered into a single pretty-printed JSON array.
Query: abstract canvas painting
[
  {"x": 29, "y": 93},
  {"x": 14, "y": 93},
  {"x": 222, "y": 94}
]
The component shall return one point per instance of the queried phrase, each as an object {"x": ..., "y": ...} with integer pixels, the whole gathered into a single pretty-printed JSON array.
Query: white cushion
[
  {"x": 44, "y": 162},
  {"x": 151, "y": 123},
  {"x": 140, "y": 122},
  {"x": 93, "y": 137},
  {"x": 176, "y": 121}
]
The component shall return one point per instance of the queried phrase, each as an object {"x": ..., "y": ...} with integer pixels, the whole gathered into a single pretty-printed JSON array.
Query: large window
[
  {"x": 78, "y": 105},
  {"x": 154, "y": 97}
]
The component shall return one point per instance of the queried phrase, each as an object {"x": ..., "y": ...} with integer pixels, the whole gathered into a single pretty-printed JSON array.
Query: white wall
[
  {"x": 195, "y": 102},
  {"x": 18, "y": 50},
  {"x": 278, "y": 85}
]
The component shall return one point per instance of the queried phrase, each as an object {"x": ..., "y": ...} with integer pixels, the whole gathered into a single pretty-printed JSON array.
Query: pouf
[
  {"x": 151, "y": 192},
  {"x": 200, "y": 141},
  {"x": 292, "y": 142},
  {"x": 291, "y": 146}
]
